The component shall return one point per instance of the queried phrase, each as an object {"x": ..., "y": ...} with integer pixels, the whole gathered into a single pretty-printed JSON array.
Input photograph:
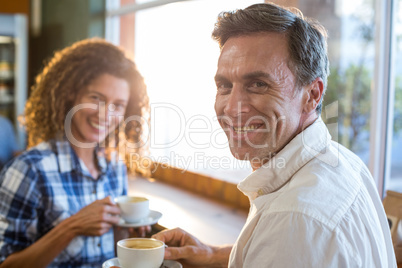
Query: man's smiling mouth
[{"x": 246, "y": 129}]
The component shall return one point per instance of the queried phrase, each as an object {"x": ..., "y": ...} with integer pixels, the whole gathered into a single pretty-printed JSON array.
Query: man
[{"x": 322, "y": 208}]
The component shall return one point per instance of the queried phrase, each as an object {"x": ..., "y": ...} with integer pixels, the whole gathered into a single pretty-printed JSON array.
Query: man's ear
[{"x": 314, "y": 93}]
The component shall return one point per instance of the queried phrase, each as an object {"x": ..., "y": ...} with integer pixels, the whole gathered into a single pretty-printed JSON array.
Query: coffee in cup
[
  {"x": 133, "y": 208},
  {"x": 140, "y": 253}
]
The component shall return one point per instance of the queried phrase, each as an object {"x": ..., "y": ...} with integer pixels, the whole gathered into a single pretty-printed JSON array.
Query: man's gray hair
[{"x": 307, "y": 38}]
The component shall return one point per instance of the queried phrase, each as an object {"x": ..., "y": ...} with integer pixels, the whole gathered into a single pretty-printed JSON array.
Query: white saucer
[
  {"x": 152, "y": 218},
  {"x": 165, "y": 264}
]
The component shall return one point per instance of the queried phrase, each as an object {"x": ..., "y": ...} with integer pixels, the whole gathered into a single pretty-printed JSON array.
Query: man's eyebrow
[
  {"x": 248, "y": 76},
  {"x": 219, "y": 77},
  {"x": 257, "y": 74}
]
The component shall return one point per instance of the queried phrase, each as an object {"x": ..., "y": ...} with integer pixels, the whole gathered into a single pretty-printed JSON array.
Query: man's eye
[
  {"x": 224, "y": 88},
  {"x": 258, "y": 86}
]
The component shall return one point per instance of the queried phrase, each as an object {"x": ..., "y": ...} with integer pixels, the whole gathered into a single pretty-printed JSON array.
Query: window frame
[{"x": 382, "y": 101}]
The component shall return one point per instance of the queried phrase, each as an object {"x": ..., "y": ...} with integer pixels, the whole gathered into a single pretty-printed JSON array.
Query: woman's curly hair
[{"x": 72, "y": 70}]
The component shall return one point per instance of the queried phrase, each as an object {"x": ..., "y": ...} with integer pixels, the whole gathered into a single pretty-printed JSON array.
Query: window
[
  {"x": 346, "y": 107},
  {"x": 176, "y": 55},
  {"x": 395, "y": 178}
]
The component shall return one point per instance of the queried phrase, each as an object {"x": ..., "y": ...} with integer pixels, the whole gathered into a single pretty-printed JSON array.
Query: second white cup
[{"x": 140, "y": 252}]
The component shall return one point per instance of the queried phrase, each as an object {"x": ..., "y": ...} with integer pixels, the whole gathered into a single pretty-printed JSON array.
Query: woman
[{"x": 57, "y": 208}]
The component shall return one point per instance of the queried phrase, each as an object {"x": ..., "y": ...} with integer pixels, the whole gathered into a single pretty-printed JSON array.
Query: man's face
[{"x": 257, "y": 103}]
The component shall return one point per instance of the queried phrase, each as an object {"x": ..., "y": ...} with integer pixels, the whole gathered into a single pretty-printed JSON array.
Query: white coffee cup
[
  {"x": 140, "y": 253},
  {"x": 133, "y": 208}
]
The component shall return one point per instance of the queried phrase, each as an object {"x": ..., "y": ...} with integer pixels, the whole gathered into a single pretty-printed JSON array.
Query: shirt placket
[
  {"x": 98, "y": 194},
  {"x": 94, "y": 242}
]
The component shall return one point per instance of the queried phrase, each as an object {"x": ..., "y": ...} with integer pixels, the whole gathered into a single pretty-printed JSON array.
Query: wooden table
[{"x": 212, "y": 222}]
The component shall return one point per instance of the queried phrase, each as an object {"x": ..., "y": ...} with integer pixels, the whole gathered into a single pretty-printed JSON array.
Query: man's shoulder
[{"x": 322, "y": 191}]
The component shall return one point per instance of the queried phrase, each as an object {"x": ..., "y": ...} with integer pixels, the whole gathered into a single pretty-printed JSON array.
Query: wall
[
  {"x": 15, "y": 6},
  {"x": 63, "y": 23}
]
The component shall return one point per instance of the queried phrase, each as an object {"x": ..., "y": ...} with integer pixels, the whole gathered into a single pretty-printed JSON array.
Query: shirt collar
[
  {"x": 68, "y": 160},
  {"x": 310, "y": 143}
]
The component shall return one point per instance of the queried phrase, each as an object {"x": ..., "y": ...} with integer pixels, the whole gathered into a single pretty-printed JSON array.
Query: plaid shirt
[{"x": 48, "y": 184}]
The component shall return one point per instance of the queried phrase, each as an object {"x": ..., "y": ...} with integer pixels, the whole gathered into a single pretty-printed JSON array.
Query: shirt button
[
  {"x": 94, "y": 191},
  {"x": 98, "y": 244}
]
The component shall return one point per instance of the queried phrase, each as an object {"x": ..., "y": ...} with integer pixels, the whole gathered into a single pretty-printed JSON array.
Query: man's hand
[
  {"x": 96, "y": 218},
  {"x": 190, "y": 251}
]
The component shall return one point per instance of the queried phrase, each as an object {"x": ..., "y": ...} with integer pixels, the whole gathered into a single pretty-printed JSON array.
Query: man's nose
[{"x": 237, "y": 103}]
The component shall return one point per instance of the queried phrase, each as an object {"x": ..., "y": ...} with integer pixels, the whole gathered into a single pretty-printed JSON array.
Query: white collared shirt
[{"x": 313, "y": 205}]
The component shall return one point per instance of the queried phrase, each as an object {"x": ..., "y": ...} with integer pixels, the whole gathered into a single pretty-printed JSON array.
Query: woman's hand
[
  {"x": 96, "y": 219},
  {"x": 92, "y": 220}
]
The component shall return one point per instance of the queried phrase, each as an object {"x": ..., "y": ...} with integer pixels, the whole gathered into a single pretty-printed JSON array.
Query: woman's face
[{"x": 98, "y": 110}]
